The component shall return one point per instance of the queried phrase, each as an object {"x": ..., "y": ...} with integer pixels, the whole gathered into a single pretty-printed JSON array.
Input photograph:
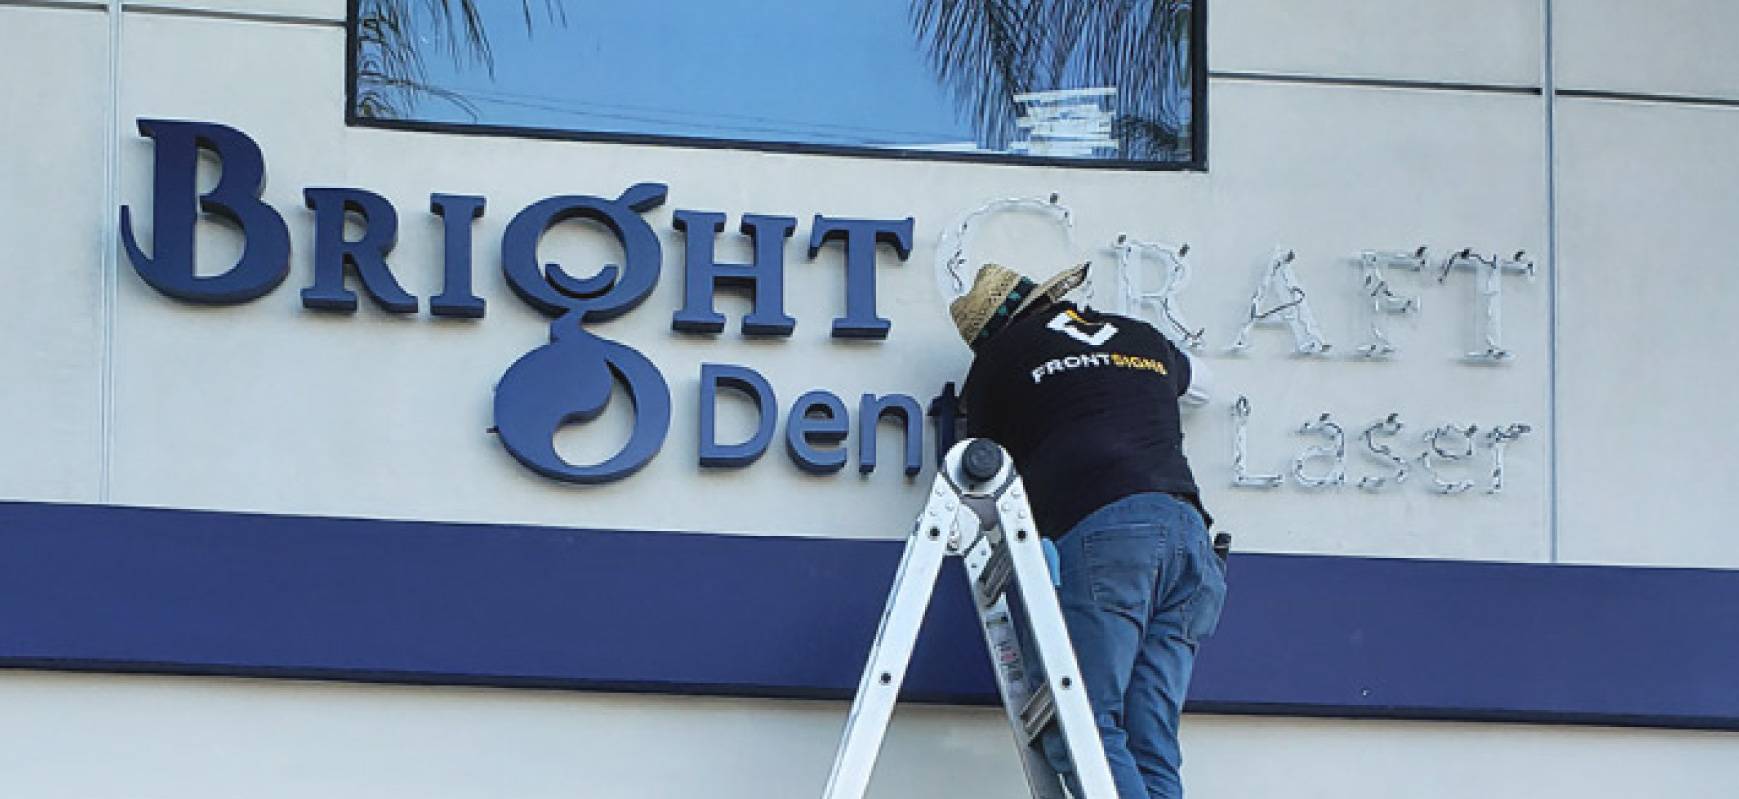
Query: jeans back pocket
[{"x": 1122, "y": 565}]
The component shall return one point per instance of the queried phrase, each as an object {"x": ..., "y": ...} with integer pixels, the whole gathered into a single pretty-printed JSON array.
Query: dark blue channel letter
[
  {"x": 860, "y": 237},
  {"x": 764, "y": 278},
  {"x": 366, "y": 254},
  {"x": 265, "y": 258},
  {"x": 714, "y": 376}
]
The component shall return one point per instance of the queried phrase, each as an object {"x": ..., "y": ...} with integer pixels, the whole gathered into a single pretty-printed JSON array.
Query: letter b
[{"x": 265, "y": 259}]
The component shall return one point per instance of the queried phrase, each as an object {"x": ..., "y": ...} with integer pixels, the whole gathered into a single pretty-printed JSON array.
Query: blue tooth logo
[{"x": 569, "y": 380}]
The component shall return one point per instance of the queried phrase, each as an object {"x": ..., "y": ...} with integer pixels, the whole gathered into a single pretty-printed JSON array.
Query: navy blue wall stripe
[{"x": 130, "y": 589}]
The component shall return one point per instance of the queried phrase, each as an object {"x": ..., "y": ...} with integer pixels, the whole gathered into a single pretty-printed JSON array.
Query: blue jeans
[{"x": 1140, "y": 587}]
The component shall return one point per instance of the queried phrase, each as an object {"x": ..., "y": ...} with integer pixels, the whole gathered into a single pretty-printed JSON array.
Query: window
[{"x": 1077, "y": 82}]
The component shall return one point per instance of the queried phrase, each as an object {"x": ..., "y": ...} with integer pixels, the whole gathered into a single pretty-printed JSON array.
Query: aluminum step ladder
[{"x": 978, "y": 511}]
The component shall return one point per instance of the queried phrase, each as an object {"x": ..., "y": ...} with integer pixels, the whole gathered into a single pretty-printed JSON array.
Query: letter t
[{"x": 861, "y": 237}]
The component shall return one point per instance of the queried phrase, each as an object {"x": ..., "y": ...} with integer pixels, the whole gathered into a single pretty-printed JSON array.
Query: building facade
[{"x": 270, "y": 528}]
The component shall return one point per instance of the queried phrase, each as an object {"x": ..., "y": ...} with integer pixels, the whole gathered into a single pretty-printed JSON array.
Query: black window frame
[{"x": 1198, "y": 161}]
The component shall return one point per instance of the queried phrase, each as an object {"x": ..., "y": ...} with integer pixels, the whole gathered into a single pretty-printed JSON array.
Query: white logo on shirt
[{"x": 1073, "y": 325}]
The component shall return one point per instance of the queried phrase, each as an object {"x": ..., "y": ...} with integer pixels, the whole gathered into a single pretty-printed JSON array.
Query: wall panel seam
[
  {"x": 1374, "y": 83},
  {"x": 1474, "y": 88},
  {"x": 57, "y": 5},
  {"x": 1548, "y": 105},
  {"x": 233, "y": 16},
  {"x": 110, "y": 260},
  {"x": 1645, "y": 97}
]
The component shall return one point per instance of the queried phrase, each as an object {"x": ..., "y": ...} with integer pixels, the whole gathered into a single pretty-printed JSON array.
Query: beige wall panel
[
  {"x": 1660, "y": 47},
  {"x": 179, "y": 367},
  {"x": 1327, "y": 172},
  {"x": 1466, "y": 41},
  {"x": 52, "y": 223},
  {"x": 1331, "y": 758},
  {"x": 1646, "y": 203},
  {"x": 76, "y": 736}
]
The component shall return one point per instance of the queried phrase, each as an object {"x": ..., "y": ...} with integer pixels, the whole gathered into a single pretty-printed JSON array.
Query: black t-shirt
[{"x": 1086, "y": 403}]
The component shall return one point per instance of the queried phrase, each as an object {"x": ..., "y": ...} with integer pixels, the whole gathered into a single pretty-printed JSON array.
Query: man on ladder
[{"x": 1087, "y": 405}]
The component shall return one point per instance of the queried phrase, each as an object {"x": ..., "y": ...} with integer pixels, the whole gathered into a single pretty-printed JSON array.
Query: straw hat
[{"x": 999, "y": 294}]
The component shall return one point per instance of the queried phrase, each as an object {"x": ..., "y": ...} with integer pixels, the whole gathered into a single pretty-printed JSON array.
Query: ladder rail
[
  {"x": 988, "y": 523},
  {"x": 1050, "y": 635},
  {"x": 889, "y": 656}
]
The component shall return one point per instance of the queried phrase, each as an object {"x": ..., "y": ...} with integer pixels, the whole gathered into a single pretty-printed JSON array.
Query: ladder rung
[
  {"x": 1037, "y": 713},
  {"x": 996, "y": 575}
]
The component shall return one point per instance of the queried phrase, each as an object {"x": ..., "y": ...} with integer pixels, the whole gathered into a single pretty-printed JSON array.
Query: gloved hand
[{"x": 1201, "y": 382}]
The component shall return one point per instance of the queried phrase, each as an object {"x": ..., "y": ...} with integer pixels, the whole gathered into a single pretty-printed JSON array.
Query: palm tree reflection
[
  {"x": 994, "y": 56},
  {"x": 394, "y": 37}
]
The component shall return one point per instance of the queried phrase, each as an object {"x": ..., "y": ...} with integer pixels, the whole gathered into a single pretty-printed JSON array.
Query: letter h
[{"x": 765, "y": 277}]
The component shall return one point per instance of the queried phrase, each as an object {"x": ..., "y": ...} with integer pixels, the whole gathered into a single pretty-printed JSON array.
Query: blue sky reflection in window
[{"x": 1083, "y": 79}]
